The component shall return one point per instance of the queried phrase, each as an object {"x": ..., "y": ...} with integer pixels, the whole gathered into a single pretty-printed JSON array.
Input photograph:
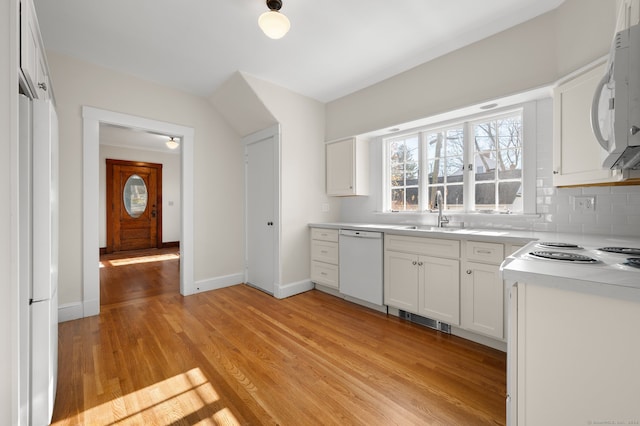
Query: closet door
[{"x": 262, "y": 222}]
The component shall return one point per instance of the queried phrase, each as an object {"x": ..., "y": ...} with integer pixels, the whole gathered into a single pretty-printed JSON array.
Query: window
[{"x": 477, "y": 166}]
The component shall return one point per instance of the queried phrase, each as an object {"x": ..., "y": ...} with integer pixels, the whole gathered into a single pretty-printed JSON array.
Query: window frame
[{"x": 528, "y": 114}]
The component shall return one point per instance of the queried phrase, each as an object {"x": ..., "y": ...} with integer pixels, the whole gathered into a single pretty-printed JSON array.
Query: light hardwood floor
[{"x": 239, "y": 356}]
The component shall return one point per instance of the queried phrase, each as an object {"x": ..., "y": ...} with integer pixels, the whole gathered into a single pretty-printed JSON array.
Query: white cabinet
[
  {"x": 482, "y": 294},
  {"x": 32, "y": 57},
  {"x": 577, "y": 156},
  {"x": 347, "y": 167},
  {"x": 325, "y": 257},
  {"x": 439, "y": 289},
  {"x": 422, "y": 276}
]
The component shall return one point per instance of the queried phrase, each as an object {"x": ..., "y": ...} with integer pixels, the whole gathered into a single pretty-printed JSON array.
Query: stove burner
[
  {"x": 633, "y": 262},
  {"x": 622, "y": 250},
  {"x": 558, "y": 245},
  {"x": 562, "y": 256}
]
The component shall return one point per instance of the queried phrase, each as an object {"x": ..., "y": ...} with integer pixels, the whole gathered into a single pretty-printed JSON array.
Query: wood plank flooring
[{"x": 239, "y": 356}]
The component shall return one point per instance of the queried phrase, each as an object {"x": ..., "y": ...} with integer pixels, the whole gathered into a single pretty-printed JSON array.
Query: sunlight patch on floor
[
  {"x": 141, "y": 259},
  {"x": 168, "y": 401}
]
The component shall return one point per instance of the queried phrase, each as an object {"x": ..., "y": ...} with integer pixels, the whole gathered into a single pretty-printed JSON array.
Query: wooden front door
[{"x": 134, "y": 205}]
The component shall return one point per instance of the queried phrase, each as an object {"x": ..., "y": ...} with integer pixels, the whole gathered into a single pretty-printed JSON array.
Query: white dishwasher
[{"x": 361, "y": 259}]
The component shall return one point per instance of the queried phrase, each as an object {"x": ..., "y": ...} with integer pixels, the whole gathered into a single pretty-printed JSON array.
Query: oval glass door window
[{"x": 135, "y": 196}]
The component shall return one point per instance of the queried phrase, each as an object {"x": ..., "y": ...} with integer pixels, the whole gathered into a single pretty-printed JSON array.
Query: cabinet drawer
[
  {"x": 324, "y": 234},
  {"x": 485, "y": 252},
  {"x": 324, "y": 273},
  {"x": 425, "y": 246},
  {"x": 324, "y": 251}
]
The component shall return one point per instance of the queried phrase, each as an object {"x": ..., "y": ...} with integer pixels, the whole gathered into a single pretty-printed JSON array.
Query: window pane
[
  {"x": 397, "y": 199},
  {"x": 485, "y": 165},
  {"x": 412, "y": 199},
  {"x": 436, "y": 171},
  {"x": 454, "y": 169},
  {"x": 510, "y": 196},
  {"x": 432, "y": 196},
  {"x": 455, "y": 197},
  {"x": 498, "y": 161},
  {"x": 435, "y": 145},
  {"x": 510, "y": 164},
  {"x": 404, "y": 167},
  {"x": 455, "y": 142},
  {"x": 485, "y": 196}
]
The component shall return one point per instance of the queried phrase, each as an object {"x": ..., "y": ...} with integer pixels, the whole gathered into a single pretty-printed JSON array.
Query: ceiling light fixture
[
  {"x": 172, "y": 144},
  {"x": 274, "y": 24}
]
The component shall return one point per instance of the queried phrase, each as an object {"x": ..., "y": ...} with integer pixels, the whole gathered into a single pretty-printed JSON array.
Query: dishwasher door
[{"x": 361, "y": 259}]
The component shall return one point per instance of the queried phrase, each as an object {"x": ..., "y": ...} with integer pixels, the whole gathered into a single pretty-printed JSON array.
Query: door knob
[
  {"x": 468, "y": 271},
  {"x": 153, "y": 213}
]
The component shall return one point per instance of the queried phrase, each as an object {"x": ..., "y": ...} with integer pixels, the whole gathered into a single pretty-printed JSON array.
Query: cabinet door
[
  {"x": 439, "y": 289},
  {"x": 340, "y": 167},
  {"x": 401, "y": 281},
  {"x": 577, "y": 156},
  {"x": 483, "y": 299}
]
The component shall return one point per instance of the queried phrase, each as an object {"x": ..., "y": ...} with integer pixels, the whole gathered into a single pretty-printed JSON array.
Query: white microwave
[{"x": 615, "y": 111}]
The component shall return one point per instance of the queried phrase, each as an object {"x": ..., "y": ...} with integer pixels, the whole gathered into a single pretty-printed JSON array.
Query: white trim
[
  {"x": 217, "y": 283},
  {"x": 283, "y": 291},
  {"x": 92, "y": 117},
  {"x": 273, "y": 131},
  {"x": 70, "y": 311}
]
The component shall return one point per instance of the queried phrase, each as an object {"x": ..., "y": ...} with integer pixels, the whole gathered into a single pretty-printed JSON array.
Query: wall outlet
[{"x": 584, "y": 204}]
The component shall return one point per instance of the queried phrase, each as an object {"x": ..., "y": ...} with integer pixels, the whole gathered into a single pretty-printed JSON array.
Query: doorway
[
  {"x": 134, "y": 205},
  {"x": 92, "y": 118}
]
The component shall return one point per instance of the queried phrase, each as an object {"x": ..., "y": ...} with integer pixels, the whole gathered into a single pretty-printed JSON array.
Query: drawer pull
[
  {"x": 483, "y": 251},
  {"x": 324, "y": 251},
  {"x": 323, "y": 273}
]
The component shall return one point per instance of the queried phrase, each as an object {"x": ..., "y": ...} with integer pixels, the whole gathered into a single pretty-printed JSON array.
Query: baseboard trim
[
  {"x": 287, "y": 290},
  {"x": 168, "y": 244},
  {"x": 70, "y": 312},
  {"x": 219, "y": 282}
]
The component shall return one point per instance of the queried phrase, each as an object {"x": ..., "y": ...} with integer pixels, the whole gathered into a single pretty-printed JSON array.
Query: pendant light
[
  {"x": 273, "y": 23},
  {"x": 172, "y": 143}
]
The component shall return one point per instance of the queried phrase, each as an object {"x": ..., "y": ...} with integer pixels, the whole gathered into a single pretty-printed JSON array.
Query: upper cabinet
[
  {"x": 577, "y": 156},
  {"x": 33, "y": 63},
  {"x": 347, "y": 167}
]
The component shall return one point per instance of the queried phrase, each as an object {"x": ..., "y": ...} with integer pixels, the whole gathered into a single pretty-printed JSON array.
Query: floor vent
[{"x": 427, "y": 322}]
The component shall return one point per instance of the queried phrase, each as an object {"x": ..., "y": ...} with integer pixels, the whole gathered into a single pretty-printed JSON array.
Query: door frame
[
  {"x": 109, "y": 193},
  {"x": 270, "y": 132},
  {"x": 91, "y": 118}
]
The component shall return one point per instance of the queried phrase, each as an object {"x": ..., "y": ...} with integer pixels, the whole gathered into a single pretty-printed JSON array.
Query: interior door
[
  {"x": 134, "y": 205},
  {"x": 261, "y": 212}
]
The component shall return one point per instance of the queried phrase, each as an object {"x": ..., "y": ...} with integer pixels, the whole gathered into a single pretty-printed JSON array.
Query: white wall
[
  {"x": 219, "y": 178},
  {"x": 170, "y": 187},
  {"x": 533, "y": 54}
]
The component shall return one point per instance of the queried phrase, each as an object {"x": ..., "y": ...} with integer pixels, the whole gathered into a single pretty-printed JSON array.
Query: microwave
[{"x": 615, "y": 110}]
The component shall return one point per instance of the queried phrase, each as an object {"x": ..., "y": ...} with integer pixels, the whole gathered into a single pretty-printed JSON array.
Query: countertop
[{"x": 453, "y": 233}]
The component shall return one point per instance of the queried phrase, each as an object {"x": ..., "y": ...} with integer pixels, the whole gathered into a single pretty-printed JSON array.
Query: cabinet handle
[
  {"x": 414, "y": 263},
  {"x": 468, "y": 271},
  {"x": 323, "y": 251},
  {"x": 420, "y": 263},
  {"x": 633, "y": 130},
  {"x": 483, "y": 251},
  {"x": 555, "y": 172},
  {"x": 323, "y": 273},
  {"x": 43, "y": 86}
]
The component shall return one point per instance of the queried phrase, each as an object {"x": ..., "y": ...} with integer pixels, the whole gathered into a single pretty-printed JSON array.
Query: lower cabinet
[
  {"x": 482, "y": 299},
  {"x": 422, "y": 284},
  {"x": 325, "y": 257}
]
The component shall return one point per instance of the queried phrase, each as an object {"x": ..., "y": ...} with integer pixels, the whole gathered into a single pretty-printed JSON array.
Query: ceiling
[
  {"x": 334, "y": 47},
  {"x": 125, "y": 137}
]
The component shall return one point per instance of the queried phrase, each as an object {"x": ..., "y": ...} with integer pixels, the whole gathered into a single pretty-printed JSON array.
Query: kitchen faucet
[{"x": 442, "y": 220}]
